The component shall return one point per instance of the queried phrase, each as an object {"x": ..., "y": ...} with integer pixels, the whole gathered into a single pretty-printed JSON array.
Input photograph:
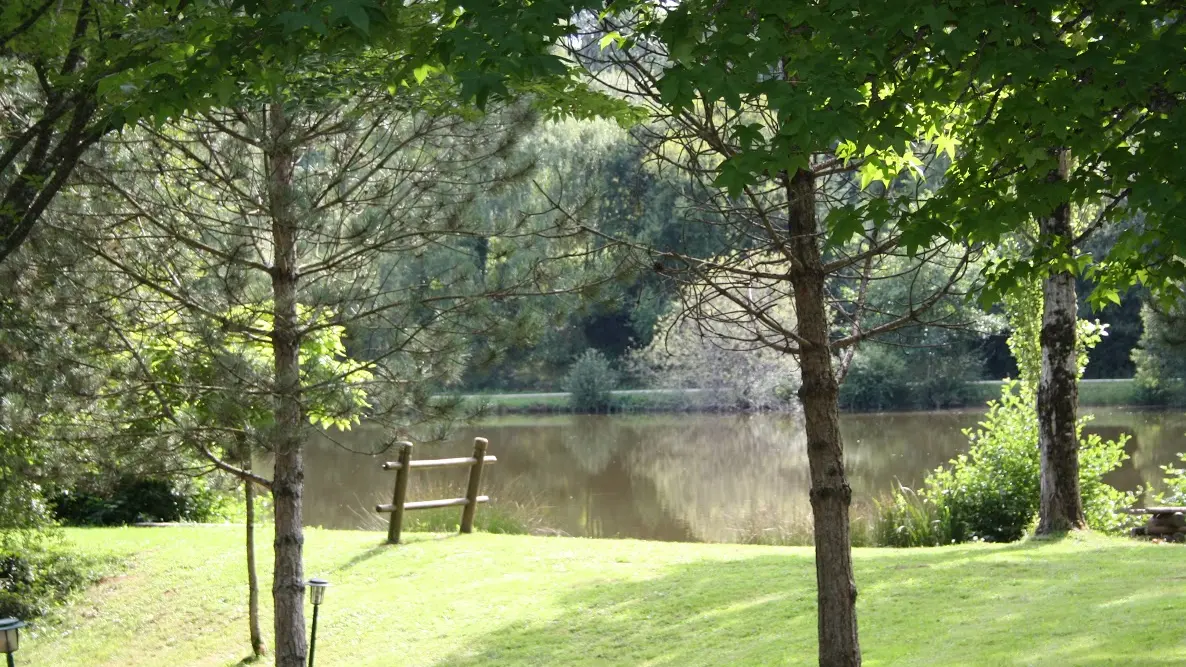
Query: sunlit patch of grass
[{"x": 512, "y": 601}]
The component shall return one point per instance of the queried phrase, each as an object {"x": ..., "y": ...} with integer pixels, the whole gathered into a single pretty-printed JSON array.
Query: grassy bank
[
  {"x": 518, "y": 600},
  {"x": 1092, "y": 393},
  {"x": 628, "y": 400},
  {"x": 1097, "y": 393}
]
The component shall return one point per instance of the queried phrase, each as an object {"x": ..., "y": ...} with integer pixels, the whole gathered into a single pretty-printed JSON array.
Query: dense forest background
[{"x": 623, "y": 193}]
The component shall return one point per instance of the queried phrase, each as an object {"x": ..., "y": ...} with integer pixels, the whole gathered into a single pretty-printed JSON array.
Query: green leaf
[
  {"x": 358, "y": 16},
  {"x": 676, "y": 88},
  {"x": 871, "y": 171},
  {"x": 845, "y": 224},
  {"x": 614, "y": 37},
  {"x": 947, "y": 143},
  {"x": 731, "y": 178},
  {"x": 748, "y": 135}
]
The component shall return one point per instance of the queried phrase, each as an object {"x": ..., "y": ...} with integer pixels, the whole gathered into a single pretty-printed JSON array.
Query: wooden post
[
  {"x": 475, "y": 480},
  {"x": 400, "y": 493}
]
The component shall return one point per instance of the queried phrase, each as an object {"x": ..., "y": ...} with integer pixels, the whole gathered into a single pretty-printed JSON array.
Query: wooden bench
[{"x": 1167, "y": 522}]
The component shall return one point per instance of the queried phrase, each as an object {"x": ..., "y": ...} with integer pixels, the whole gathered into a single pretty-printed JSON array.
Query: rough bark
[
  {"x": 288, "y": 588},
  {"x": 831, "y": 495},
  {"x": 257, "y": 638},
  {"x": 1061, "y": 507}
]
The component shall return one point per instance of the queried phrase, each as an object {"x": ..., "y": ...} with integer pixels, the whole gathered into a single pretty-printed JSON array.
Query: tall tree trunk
[
  {"x": 257, "y": 639},
  {"x": 1061, "y": 506},
  {"x": 288, "y": 588},
  {"x": 839, "y": 645}
]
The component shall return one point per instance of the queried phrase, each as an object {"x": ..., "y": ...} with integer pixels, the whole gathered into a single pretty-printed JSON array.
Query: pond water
[{"x": 686, "y": 477}]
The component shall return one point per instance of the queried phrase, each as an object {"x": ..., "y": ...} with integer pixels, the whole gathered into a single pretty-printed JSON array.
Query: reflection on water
[{"x": 717, "y": 478}]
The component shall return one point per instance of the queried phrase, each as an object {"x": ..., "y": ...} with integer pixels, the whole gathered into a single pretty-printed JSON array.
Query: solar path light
[
  {"x": 10, "y": 637},
  {"x": 316, "y": 596}
]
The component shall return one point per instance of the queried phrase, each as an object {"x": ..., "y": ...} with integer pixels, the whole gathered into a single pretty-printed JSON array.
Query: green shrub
[
  {"x": 34, "y": 578},
  {"x": 129, "y": 500},
  {"x": 1156, "y": 391},
  {"x": 1174, "y": 483},
  {"x": 946, "y": 381},
  {"x": 1158, "y": 359},
  {"x": 589, "y": 383},
  {"x": 885, "y": 377},
  {"x": 22, "y": 498},
  {"x": 1102, "y": 502},
  {"x": 992, "y": 492},
  {"x": 876, "y": 380}
]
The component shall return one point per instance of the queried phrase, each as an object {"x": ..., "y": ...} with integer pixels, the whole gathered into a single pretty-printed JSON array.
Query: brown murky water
[{"x": 688, "y": 477}]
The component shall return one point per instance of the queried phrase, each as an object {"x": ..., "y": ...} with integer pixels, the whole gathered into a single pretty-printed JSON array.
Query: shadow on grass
[
  {"x": 1029, "y": 603},
  {"x": 383, "y": 547},
  {"x": 377, "y": 550}
]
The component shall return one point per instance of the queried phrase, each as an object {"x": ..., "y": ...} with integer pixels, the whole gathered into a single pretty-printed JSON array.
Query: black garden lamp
[
  {"x": 316, "y": 596},
  {"x": 10, "y": 637}
]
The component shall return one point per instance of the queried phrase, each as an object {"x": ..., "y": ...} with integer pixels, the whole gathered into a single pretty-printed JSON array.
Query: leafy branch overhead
[
  {"x": 997, "y": 91},
  {"x": 200, "y": 371},
  {"x": 78, "y": 70}
]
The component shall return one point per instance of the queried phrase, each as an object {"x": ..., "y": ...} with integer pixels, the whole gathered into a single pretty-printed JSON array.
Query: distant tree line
[{"x": 626, "y": 194}]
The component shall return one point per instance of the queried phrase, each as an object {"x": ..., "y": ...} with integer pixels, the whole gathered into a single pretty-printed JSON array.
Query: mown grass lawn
[{"x": 520, "y": 600}]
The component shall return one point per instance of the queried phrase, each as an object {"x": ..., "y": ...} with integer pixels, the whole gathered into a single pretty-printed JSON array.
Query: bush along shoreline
[{"x": 991, "y": 493}]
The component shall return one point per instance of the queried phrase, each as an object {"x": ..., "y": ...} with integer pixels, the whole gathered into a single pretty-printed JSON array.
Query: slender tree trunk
[
  {"x": 839, "y": 645},
  {"x": 1061, "y": 506},
  {"x": 288, "y": 588},
  {"x": 257, "y": 640}
]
